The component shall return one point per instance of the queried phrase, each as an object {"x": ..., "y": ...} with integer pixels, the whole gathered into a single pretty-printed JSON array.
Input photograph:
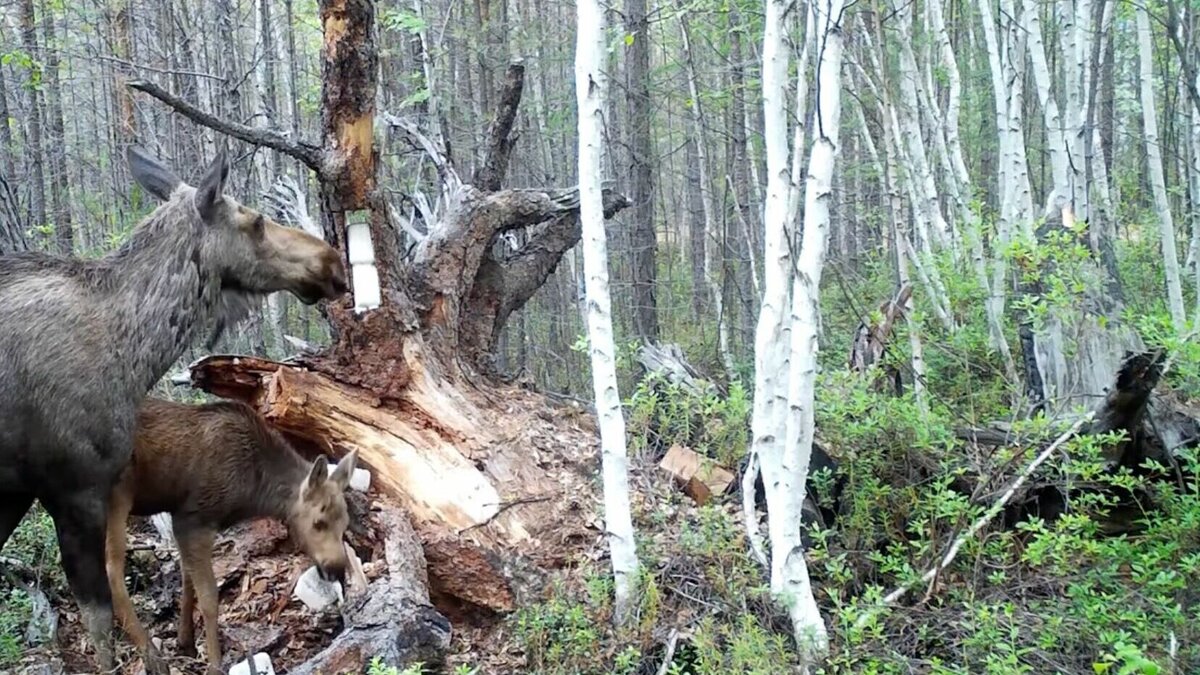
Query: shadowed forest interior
[{"x": 709, "y": 337}]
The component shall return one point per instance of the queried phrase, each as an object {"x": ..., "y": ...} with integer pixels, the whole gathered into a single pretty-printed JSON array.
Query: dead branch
[
  {"x": 445, "y": 169},
  {"x": 978, "y": 525},
  {"x": 490, "y": 175},
  {"x": 307, "y": 153}
]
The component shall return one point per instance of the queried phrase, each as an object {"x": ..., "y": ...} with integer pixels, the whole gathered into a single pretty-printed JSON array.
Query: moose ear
[
  {"x": 150, "y": 173},
  {"x": 212, "y": 187},
  {"x": 345, "y": 469},
  {"x": 318, "y": 473}
]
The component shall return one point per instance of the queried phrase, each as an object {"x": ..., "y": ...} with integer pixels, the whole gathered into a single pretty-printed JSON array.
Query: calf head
[{"x": 319, "y": 518}]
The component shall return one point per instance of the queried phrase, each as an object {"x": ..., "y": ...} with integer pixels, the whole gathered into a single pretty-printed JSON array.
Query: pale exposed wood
[{"x": 700, "y": 477}]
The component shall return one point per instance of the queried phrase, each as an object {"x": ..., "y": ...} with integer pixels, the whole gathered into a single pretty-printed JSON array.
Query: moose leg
[
  {"x": 79, "y": 517},
  {"x": 12, "y": 509},
  {"x": 195, "y": 550},
  {"x": 118, "y": 515},
  {"x": 185, "y": 640}
]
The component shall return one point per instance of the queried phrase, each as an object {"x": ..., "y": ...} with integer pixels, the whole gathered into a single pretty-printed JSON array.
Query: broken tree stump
[{"x": 497, "y": 489}]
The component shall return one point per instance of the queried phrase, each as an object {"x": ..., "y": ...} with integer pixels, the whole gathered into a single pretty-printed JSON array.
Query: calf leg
[
  {"x": 185, "y": 640},
  {"x": 12, "y": 509},
  {"x": 118, "y": 515},
  {"x": 79, "y": 517},
  {"x": 195, "y": 551}
]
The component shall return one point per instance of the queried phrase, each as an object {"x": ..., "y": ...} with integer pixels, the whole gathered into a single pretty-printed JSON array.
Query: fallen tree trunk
[{"x": 496, "y": 487}]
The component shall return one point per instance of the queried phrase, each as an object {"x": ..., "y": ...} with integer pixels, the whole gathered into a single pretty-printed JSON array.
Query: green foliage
[
  {"x": 571, "y": 632},
  {"x": 33, "y": 543},
  {"x": 661, "y": 414},
  {"x": 15, "y": 611},
  {"x": 404, "y": 20}
]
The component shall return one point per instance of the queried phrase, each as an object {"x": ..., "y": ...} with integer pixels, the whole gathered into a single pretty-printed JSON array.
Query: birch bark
[
  {"x": 591, "y": 88},
  {"x": 1157, "y": 183}
]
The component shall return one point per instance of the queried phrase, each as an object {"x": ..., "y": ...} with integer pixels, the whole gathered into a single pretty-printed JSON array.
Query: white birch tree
[
  {"x": 712, "y": 237},
  {"x": 786, "y": 348},
  {"x": 1162, "y": 205},
  {"x": 591, "y": 90}
]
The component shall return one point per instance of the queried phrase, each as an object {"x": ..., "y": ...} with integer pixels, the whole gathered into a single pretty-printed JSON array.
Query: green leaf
[{"x": 628, "y": 39}]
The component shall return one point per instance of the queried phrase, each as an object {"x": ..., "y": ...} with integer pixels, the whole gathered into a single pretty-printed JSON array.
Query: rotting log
[{"x": 496, "y": 487}]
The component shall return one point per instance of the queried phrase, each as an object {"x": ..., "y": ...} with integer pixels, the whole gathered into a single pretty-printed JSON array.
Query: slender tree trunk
[
  {"x": 64, "y": 233},
  {"x": 36, "y": 153},
  {"x": 712, "y": 235},
  {"x": 1154, "y": 159},
  {"x": 7, "y": 148},
  {"x": 642, "y": 235},
  {"x": 591, "y": 88},
  {"x": 1056, "y": 142},
  {"x": 786, "y": 350}
]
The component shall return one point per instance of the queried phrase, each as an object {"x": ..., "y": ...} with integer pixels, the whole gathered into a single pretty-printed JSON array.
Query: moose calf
[{"x": 212, "y": 466}]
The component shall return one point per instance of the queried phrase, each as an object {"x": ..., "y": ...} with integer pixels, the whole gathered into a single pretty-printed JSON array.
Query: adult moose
[{"x": 83, "y": 341}]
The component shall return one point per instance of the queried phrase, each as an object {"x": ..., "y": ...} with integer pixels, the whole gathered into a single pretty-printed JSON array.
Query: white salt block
[
  {"x": 316, "y": 593},
  {"x": 162, "y": 524},
  {"x": 358, "y": 243},
  {"x": 359, "y": 480},
  {"x": 366, "y": 286},
  {"x": 262, "y": 666}
]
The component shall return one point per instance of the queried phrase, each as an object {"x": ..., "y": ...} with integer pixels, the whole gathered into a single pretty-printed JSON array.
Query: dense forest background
[{"x": 966, "y": 126}]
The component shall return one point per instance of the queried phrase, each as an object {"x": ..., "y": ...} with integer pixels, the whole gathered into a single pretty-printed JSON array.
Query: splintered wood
[{"x": 700, "y": 477}]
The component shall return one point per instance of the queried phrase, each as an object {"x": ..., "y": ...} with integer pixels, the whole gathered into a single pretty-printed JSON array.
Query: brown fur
[{"x": 212, "y": 466}]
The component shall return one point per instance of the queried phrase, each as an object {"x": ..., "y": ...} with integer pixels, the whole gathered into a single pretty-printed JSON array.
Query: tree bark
[
  {"x": 1157, "y": 183},
  {"x": 7, "y": 148},
  {"x": 60, "y": 193},
  {"x": 36, "y": 153},
  {"x": 591, "y": 92},
  {"x": 642, "y": 233}
]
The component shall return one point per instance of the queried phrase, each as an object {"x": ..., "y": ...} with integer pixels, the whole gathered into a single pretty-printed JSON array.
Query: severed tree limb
[
  {"x": 307, "y": 153},
  {"x": 978, "y": 525},
  {"x": 490, "y": 175},
  {"x": 454, "y": 251},
  {"x": 503, "y": 286},
  {"x": 393, "y": 619}
]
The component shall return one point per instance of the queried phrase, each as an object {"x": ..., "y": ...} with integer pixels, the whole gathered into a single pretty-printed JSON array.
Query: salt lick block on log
[
  {"x": 262, "y": 666},
  {"x": 360, "y": 480},
  {"x": 700, "y": 477},
  {"x": 315, "y": 592}
]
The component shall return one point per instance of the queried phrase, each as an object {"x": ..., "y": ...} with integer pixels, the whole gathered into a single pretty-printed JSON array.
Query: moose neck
[
  {"x": 284, "y": 472},
  {"x": 162, "y": 292}
]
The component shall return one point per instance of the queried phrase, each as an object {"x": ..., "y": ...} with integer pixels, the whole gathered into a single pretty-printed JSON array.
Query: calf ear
[
  {"x": 345, "y": 469},
  {"x": 318, "y": 473},
  {"x": 212, "y": 187},
  {"x": 150, "y": 173}
]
